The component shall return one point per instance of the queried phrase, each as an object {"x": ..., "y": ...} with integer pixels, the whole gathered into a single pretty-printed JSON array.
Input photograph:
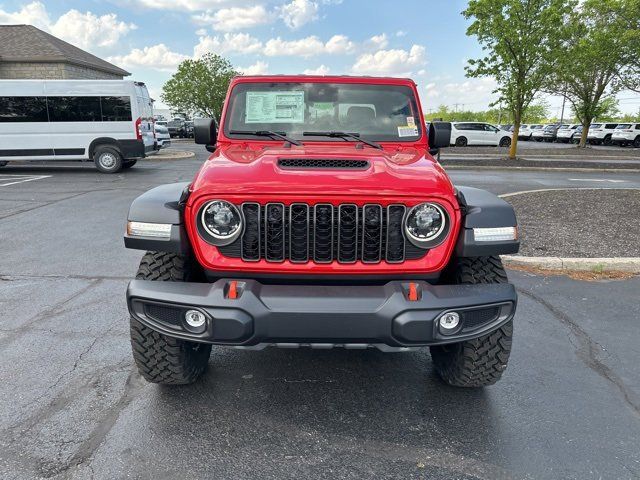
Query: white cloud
[
  {"x": 400, "y": 33},
  {"x": 201, "y": 32},
  {"x": 321, "y": 70},
  {"x": 182, "y": 5},
  {"x": 298, "y": 13},
  {"x": 304, "y": 47},
  {"x": 309, "y": 46},
  {"x": 158, "y": 57},
  {"x": 235, "y": 18},
  {"x": 379, "y": 41},
  {"x": 391, "y": 62},
  {"x": 33, "y": 13},
  {"x": 339, "y": 44},
  {"x": 242, "y": 43},
  {"x": 470, "y": 94},
  {"x": 85, "y": 30},
  {"x": 258, "y": 68}
]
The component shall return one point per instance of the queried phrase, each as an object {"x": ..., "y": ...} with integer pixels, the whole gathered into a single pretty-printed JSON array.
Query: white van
[{"x": 107, "y": 121}]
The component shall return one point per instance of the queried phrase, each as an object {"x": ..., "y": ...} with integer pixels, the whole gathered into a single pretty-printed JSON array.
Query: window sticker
[
  {"x": 275, "y": 107},
  {"x": 408, "y": 131},
  {"x": 411, "y": 121}
]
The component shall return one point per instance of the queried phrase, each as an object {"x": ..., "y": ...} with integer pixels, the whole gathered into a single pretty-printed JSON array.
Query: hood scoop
[{"x": 322, "y": 164}]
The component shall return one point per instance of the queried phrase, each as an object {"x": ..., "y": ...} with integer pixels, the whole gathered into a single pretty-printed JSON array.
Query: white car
[
  {"x": 162, "y": 136},
  {"x": 478, "y": 133},
  {"x": 601, "y": 133},
  {"x": 525, "y": 132},
  {"x": 566, "y": 132},
  {"x": 627, "y": 134},
  {"x": 537, "y": 132}
]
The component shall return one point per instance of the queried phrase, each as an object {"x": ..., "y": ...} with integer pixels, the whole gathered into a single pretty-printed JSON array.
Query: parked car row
[{"x": 599, "y": 133}]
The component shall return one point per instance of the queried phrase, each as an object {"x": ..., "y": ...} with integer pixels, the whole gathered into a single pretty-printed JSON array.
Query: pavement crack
[
  {"x": 48, "y": 312},
  {"x": 46, "y": 204},
  {"x": 587, "y": 351},
  {"x": 7, "y": 277},
  {"x": 133, "y": 385}
]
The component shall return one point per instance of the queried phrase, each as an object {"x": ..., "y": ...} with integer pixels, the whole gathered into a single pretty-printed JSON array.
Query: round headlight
[
  {"x": 426, "y": 225},
  {"x": 222, "y": 221}
]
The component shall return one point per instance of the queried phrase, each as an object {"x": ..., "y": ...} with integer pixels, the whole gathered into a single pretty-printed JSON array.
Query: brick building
[{"x": 28, "y": 52}]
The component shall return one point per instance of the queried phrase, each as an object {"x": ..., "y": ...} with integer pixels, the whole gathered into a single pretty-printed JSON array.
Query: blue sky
[{"x": 424, "y": 39}]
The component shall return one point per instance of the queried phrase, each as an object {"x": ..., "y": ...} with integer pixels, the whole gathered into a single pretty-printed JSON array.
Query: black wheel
[
  {"x": 481, "y": 361},
  {"x": 162, "y": 359},
  {"x": 636, "y": 142},
  {"x": 539, "y": 139},
  {"x": 607, "y": 140},
  {"x": 461, "y": 142},
  {"x": 107, "y": 159},
  {"x": 505, "y": 142},
  {"x": 3, "y": 164},
  {"x": 129, "y": 163}
]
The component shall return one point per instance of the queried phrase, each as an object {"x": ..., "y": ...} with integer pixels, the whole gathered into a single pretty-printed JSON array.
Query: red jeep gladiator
[{"x": 321, "y": 220}]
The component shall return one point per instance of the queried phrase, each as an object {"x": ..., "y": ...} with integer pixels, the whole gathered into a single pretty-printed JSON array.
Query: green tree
[
  {"x": 522, "y": 40},
  {"x": 596, "y": 61},
  {"x": 199, "y": 86}
]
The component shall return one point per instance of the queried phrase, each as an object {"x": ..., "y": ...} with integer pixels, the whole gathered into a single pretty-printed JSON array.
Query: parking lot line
[
  {"x": 13, "y": 179},
  {"x": 596, "y": 180}
]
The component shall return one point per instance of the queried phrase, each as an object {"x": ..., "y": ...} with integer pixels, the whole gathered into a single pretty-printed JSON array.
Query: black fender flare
[
  {"x": 482, "y": 209},
  {"x": 163, "y": 204}
]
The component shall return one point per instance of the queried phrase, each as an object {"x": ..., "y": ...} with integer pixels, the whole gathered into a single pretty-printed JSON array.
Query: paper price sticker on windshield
[
  {"x": 408, "y": 131},
  {"x": 275, "y": 107}
]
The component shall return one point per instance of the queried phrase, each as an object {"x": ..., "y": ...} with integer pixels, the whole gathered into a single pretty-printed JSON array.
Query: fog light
[
  {"x": 449, "y": 322},
  {"x": 194, "y": 318}
]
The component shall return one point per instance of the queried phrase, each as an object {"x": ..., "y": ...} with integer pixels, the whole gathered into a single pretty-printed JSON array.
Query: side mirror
[
  {"x": 439, "y": 136},
  {"x": 205, "y": 132}
]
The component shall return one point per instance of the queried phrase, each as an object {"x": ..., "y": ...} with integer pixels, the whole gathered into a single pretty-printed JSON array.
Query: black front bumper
[{"x": 318, "y": 315}]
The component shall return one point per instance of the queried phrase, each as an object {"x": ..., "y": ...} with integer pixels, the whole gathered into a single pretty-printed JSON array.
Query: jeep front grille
[{"x": 323, "y": 233}]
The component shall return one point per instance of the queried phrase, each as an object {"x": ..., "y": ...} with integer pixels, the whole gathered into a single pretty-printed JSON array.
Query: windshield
[{"x": 297, "y": 110}]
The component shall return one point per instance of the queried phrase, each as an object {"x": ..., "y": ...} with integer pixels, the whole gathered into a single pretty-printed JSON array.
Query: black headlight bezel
[
  {"x": 209, "y": 236},
  {"x": 438, "y": 238}
]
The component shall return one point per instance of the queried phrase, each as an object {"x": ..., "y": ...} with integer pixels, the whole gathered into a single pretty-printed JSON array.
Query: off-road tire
[
  {"x": 481, "y": 361},
  {"x": 461, "y": 142},
  {"x": 107, "y": 159},
  {"x": 129, "y": 163},
  {"x": 159, "y": 358},
  {"x": 607, "y": 140}
]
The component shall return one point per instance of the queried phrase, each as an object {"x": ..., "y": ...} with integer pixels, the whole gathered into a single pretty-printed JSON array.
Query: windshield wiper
[
  {"x": 345, "y": 135},
  {"x": 266, "y": 133}
]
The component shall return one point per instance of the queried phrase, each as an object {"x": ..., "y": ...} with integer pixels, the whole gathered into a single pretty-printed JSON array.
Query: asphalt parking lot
[{"x": 73, "y": 406}]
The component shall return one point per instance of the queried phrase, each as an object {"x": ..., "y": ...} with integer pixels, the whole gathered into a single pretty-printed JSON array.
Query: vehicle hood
[{"x": 239, "y": 169}]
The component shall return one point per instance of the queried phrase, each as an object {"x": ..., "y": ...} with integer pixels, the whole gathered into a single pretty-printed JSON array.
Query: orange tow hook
[
  {"x": 232, "y": 294},
  {"x": 413, "y": 292}
]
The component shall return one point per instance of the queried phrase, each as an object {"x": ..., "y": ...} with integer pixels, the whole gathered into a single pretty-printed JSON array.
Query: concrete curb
[
  {"x": 172, "y": 155},
  {"x": 614, "y": 264},
  {"x": 540, "y": 169}
]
